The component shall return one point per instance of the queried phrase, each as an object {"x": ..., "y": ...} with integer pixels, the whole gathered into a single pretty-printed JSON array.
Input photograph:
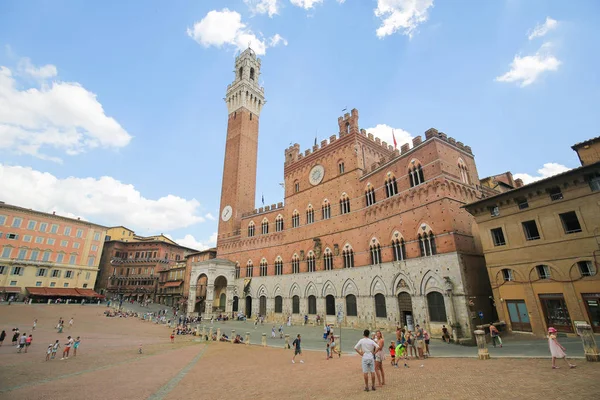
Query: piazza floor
[{"x": 108, "y": 366}]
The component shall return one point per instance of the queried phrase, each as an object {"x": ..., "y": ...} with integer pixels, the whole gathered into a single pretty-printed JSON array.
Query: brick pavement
[{"x": 108, "y": 366}]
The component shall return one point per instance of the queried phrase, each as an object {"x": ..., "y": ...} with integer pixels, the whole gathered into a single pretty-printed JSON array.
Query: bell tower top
[{"x": 245, "y": 91}]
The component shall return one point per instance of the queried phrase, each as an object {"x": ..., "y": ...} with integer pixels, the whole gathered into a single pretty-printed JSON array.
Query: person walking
[
  {"x": 49, "y": 352},
  {"x": 273, "y": 332},
  {"x": 2, "y": 337},
  {"x": 173, "y": 337},
  {"x": 427, "y": 339},
  {"x": 367, "y": 348},
  {"x": 556, "y": 349},
  {"x": 410, "y": 344},
  {"x": 445, "y": 334},
  {"x": 420, "y": 342},
  {"x": 55, "y": 349},
  {"x": 22, "y": 341},
  {"x": 15, "y": 338},
  {"x": 495, "y": 334},
  {"x": 71, "y": 322},
  {"x": 379, "y": 358},
  {"x": 297, "y": 349},
  {"x": 76, "y": 346},
  {"x": 393, "y": 353},
  {"x": 332, "y": 345},
  {"x": 28, "y": 342},
  {"x": 67, "y": 349},
  {"x": 34, "y": 324}
]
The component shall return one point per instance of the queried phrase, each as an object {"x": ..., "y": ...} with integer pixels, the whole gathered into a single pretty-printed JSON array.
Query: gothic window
[
  {"x": 249, "y": 269},
  {"x": 278, "y": 266},
  {"x": 295, "y": 304},
  {"x": 279, "y": 224},
  {"x": 278, "y": 304},
  {"x": 265, "y": 226},
  {"x": 312, "y": 305},
  {"x": 251, "y": 229},
  {"x": 341, "y": 168},
  {"x": 310, "y": 215},
  {"x": 415, "y": 174},
  {"x": 391, "y": 187},
  {"x": 351, "y": 310},
  {"x": 464, "y": 172},
  {"x": 347, "y": 127},
  {"x": 370, "y": 195},
  {"x": 326, "y": 210},
  {"x": 380, "y": 309},
  {"x": 399, "y": 249},
  {"x": 241, "y": 72},
  {"x": 328, "y": 260},
  {"x": 375, "y": 250},
  {"x": 295, "y": 219},
  {"x": 295, "y": 264},
  {"x": 344, "y": 204},
  {"x": 296, "y": 187},
  {"x": 348, "y": 256},
  {"x": 263, "y": 267},
  {"x": 252, "y": 74},
  {"x": 310, "y": 262},
  {"x": 237, "y": 270},
  {"x": 436, "y": 306},
  {"x": 427, "y": 244}
]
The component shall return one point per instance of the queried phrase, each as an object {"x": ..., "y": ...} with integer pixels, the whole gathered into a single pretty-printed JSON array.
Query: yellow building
[
  {"x": 541, "y": 243},
  {"x": 124, "y": 234}
]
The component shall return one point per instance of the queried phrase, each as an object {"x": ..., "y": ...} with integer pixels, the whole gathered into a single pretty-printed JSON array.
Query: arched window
[
  {"x": 391, "y": 187},
  {"x": 310, "y": 262},
  {"x": 586, "y": 268},
  {"x": 330, "y": 304},
  {"x": 380, "y": 309},
  {"x": 263, "y": 267},
  {"x": 347, "y": 127},
  {"x": 241, "y": 72},
  {"x": 265, "y": 226},
  {"x": 348, "y": 256},
  {"x": 464, "y": 171},
  {"x": 543, "y": 271},
  {"x": 312, "y": 305},
  {"x": 295, "y": 219},
  {"x": 237, "y": 270},
  {"x": 295, "y": 305},
  {"x": 351, "y": 310},
  {"x": 296, "y": 186},
  {"x": 252, "y": 74},
  {"x": 341, "y": 168},
  {"x": 370, "y": 195},
  {"x": 375, "y": 250},
  {"x": 436, "y": 306},
  {"x": 279, "y": 223},
  {"x": 310, "y": 215},
  {"x": 344, "y": 204},
  {"x": 278, "y": 266},
  {"x": 507, "y": 275},
  {"x": 399, "y": 249},
  {"x": 415, "y": 174},
  {"x": 295, "y": 264},
  {"x": 427, "y": 244},
  {"x": 278, "y": 304},
  {"x": 249, "y": 269},
  {"x": 251, "y": 229},
  {"x": 326, "y": 209},
  {"x": 328, "y": 260}
]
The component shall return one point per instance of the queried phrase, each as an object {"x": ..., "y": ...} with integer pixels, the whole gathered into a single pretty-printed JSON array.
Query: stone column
[
  {"x": 203, "y": 332},
  {"x": 287, "y": 341},
  {"x": 232, "y": 335},
  {"x": 589, "y": 342},
  {"x": 482, "y": 350},
  {"x": 218, "y": 333},
  {"x": 210, "y": 333},
  {"x": 191, "y": 299},
  {"x": 248, "y": 338},
  {"x": 321, "y": 310},
  {"x": 210, "y": 294},
  {"x": 264, "y": 340},
  {"x": 229, "y": 303}
]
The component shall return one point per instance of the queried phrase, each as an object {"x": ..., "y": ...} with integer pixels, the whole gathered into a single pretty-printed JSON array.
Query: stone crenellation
[{"x": 263, "y": 210}]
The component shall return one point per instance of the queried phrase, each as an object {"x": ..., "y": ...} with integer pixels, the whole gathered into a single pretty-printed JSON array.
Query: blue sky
[{"x": 113, "y": 110}]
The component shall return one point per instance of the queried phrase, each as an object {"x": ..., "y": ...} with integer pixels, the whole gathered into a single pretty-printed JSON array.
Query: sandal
[
  {"x": 572, "y": 366},
  {"x": 366, "y": 389},
  {"x": 553, "y": 367}
]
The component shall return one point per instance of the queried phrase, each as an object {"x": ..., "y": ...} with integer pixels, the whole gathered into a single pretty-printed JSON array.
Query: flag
[
  {"x": 263, "y": 199},
  {"x": 394, "y": 137}
]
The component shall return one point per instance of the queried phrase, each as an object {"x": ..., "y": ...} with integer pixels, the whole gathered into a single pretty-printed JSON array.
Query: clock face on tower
[
  {"x": 226, "y": 213},
  {"x": 316, "y": 175}
]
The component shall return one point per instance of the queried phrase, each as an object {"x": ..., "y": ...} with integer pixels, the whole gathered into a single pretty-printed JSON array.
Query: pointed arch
[
  {"x": 329, "y": 289},
  {"x": 262, "y": 291},
  {"x": 277, "y": 290},
  {"x": 378, "y": 286},
  {"x": 349, "y": 287},
  {"x": 295, "y": 290},
  {"x": 403, "y": 283},
  {"x": 430, "y": 282},
  {"x": 311, "y": 289}
]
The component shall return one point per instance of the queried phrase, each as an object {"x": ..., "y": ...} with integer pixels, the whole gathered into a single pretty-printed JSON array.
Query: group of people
[
  {"x": 19, "y": 340},
  {"x": 415, "y": 344}
]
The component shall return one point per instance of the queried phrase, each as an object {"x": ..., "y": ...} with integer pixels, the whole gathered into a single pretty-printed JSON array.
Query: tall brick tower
[{"x": 245, "y": 99}]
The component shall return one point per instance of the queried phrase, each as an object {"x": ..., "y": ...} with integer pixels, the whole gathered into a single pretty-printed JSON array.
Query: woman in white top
[{"x": 379, "y": 358}]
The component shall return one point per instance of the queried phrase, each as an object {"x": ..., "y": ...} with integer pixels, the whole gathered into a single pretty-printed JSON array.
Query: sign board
[
  {"x": 480, "y": 314},
  {"x": 340, "y": 316}
]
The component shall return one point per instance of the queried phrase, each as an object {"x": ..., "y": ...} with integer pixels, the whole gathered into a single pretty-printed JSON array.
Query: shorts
[
  {"x": 379, "y": 357},
  {"x": 427, "y": 341},
  {"x": 21, "y": 345},
  {"x": 368, "y": 365},
  {"x": 420, "y": 344},
  {"x": 297, "y": 351}
]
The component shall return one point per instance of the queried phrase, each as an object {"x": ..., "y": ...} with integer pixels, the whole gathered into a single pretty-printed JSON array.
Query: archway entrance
[
  {"x": 201, "y": 294},
  {"x": 262, "y": 309},
  {"x": 405, "y": 310},
  {"x": 248, "y": 307},
  {"x": 220, "y": 294}
]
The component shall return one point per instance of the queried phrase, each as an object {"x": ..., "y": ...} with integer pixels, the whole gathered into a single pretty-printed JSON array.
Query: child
[
  {"x": 273, "y": 332},
  {"x": 400, "y": 349},
  {"x": 140, "y": 349},
  {"x": 55, "y": 349},
  {"x": 556, "y": 349},
  {"x": 328, "y": 352},
  {"x": 49, "y": 351},
  {"x": 173, "y": 337},
  {"x": 76, "y": 346},
  {"x": 28, "y": 342},
  {"x": 393, "y": 353}
]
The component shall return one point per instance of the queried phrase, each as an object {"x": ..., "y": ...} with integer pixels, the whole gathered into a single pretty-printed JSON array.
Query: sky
[{"x": 113, "y": 111}]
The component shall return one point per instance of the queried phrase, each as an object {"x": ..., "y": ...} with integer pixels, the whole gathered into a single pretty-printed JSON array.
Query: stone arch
[
  {"x": 329, "y": 289},
  {"x": 311, "y": 290},
  {"x": 309, "y": 207},
  {"x": 403, "y": 283},
  {"x": 424, "y": 228},
  {"x": 554, "y": 271},
  {"x": 349, "y": 287},
  {"x": 378, "y": 286},
  {"x": 277, "y": 291},
  {"x": 294, "y": 290},
  {"x": 262, "y": 291},
  {"x": 414, "y": 163},
  {"x": 431, "y": 283}
]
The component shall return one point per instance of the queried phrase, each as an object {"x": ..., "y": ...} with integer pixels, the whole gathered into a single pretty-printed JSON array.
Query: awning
[
  {"x": 61, "y": 292},
  {"x": 173, "y": 284},
  {"x": 10, "y": 289},
  {"x": 88, "y": 293},
  {"x": 36, "y": 291}
]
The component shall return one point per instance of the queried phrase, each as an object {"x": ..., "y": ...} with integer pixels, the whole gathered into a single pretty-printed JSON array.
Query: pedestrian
[
  {"x": 34, "y": 324},
  {"x": 556, "y": 349},
  {"x": 55, "y": 349},
  {"x": 273, "y": 332},
  {"x": 379, "y": 358},
  {"x": 398, "y": 336},
  {"x": 280, "y": 331},
  {"x": 67, "y": 349},
  {"x": 173, "y": 337},
  {"x": 15, "y": 338},
  {"x": 76, "y": 346},
  {"x": 393, "y": 353},
  {"x": 289, "y": 323},
  {"x": 2, "y": 337},
  {"x": 305, "y": 319},
  {"x": 445, "y": 334},
  {"x": 495, "y": 334},
  {"x": 332, "y": 345},
  {"x": 401, "y": 353},
  {"x": 367, "y": 349},
  {"x": 71, "y": 322},
  {"x": 427, "y": 339},
  {"x": 297, "y": 349},
  {"x": 410, "y": 344},
  {"x": 140, "y": 349},
  {"x": 22, "y": 341},
  {"x": 48, "y": 352},
  {"x": 327, "y": 350},
  {"x": 28, "y": 342},
  {"x": 420, "y": 342}
]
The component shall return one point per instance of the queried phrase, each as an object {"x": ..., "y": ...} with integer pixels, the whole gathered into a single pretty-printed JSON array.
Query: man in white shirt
[{"x": 367, "y": 349}]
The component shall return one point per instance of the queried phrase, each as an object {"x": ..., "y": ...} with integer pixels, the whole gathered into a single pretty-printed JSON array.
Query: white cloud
[
  {"x": 541, "y": 29},
  {"x": 404, "y": 15},
  {"x": 210, "y": 216},
  {"x": 59, "y": 115},
  {"x": 277, "y": 39},
  {"x": 548, "y": 170},
  {"x": 384, "y": 132},
  {"x": 341, "y": 1},
  {"x": 220, "y": 28},
  {"x": 191, "y": 242},
  {"x": 102, "y": 200},
  {"x": 526, "y": 70},
  {"x": 306, "y": 4},
  {"x": 270, "y": 7},
  {"x": 43, "y": 72}
]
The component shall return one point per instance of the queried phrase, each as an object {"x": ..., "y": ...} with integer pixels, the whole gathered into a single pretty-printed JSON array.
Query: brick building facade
[{"x": 375, "y": 234}]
